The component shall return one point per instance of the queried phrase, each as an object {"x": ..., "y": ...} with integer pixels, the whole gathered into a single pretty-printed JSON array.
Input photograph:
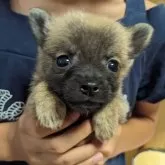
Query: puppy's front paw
[
  {"x": 50, "y": 120},
  {"x": 51, "y": 113},
  {"x": 104, "y": 126},
  {"x": 49, "y": 109}
]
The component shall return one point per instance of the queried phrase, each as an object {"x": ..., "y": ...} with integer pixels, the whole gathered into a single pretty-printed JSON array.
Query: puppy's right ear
[
  {"x": 39, "y": 20},
  {"x": 141, "y": 37}
]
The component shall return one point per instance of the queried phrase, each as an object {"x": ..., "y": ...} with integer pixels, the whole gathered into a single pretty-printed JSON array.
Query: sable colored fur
[{"x": 81, "y": 63}]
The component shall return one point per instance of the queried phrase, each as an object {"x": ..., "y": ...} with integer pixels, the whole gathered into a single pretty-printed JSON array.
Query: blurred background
[{"x": 158, "y": 1}]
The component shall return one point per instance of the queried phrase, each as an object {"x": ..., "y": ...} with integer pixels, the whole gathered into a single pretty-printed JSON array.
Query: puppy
[{"x": 81, "y": 63}]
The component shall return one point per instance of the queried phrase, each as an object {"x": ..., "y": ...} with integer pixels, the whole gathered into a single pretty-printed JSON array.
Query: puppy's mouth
[{"x": 85, "y": 107}]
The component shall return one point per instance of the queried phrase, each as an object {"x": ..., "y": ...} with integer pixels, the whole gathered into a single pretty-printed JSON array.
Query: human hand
[
  {"x": 31, "y": 144},
  {"x": 103, "y": 151}
]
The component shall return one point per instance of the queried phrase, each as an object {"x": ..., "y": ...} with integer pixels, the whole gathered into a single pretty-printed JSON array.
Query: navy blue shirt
[{"x": 146, "y": 80}]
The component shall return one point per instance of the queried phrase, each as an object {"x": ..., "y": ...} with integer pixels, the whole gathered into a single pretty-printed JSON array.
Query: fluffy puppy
[{"x": 81, "y": 63}]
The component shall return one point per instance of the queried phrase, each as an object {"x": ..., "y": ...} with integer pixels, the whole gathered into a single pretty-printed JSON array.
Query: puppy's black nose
[{"x": 89, "y": 88}]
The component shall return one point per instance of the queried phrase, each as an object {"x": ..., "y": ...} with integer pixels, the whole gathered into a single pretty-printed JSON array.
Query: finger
[
  {"x": 69, "y": 139},
  {"x": 77, "y": 155},
  {"x": 29, "y": 125},
  {"x": 81, "y": 143},
  {"x": 97, "y": 159},
  {"x": 87, "y": 140}
]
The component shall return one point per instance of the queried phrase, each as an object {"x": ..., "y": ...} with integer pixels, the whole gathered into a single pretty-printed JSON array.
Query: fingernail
[
  {"x": 75, "y": 115},
  {"x": 98, "y": 157}
]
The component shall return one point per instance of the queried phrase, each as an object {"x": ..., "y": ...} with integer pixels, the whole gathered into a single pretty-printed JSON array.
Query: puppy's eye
[
  {"x": 63, "y": 61},
  {"x": 113, "y": 65}
]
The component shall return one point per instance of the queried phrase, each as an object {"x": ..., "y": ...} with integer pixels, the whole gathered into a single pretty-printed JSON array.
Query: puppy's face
[{"x": 84, "y": 58}]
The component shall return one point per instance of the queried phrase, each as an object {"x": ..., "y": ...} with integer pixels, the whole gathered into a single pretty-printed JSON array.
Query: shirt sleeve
[{"x": 152, "y": 86}]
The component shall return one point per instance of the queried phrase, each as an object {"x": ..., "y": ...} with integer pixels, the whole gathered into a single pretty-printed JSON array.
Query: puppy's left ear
[
  {"x": 141, "y": 35},
  {"x": 39, "y": 20}
]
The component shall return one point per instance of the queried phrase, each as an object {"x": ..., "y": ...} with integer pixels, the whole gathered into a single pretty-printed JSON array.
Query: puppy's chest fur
[{"x": 81, "y": 63}]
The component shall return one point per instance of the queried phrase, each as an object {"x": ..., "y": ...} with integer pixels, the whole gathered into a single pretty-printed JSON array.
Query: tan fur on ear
[
  {"x": 141, "y": 37},
  {"x": 39, "y": 20}
]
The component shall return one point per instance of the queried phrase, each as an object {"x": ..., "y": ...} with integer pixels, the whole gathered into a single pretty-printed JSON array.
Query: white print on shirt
[{"x": 13, "y": 111}]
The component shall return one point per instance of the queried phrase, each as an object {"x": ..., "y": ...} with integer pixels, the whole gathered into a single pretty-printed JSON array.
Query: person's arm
[
  {"x": 5, "y": 140},
  {"x": 139, "y": 129}
]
